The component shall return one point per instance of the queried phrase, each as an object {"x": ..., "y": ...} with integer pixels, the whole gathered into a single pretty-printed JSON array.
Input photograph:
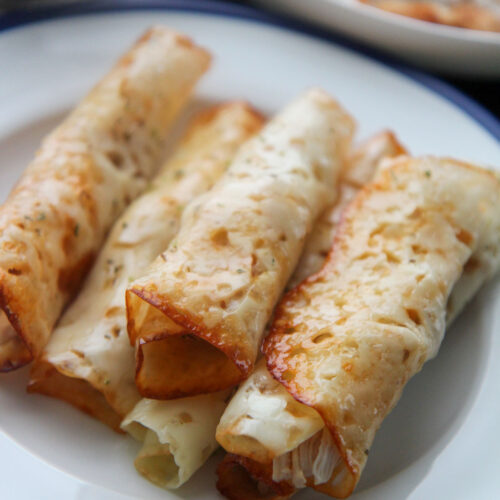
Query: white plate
[
  {"x": 442, "y": 440},
  {"x": 441, "y": 48}
]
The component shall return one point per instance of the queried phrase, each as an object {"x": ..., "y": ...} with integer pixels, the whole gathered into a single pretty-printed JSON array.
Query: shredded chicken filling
[{"x": 314, "y": 460}]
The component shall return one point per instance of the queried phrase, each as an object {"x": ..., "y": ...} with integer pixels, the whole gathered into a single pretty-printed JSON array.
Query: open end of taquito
[
  {"x": 158, "y": 354},
  {"x": 178, "y": 436},
  {"x": 45, "y": 379}
]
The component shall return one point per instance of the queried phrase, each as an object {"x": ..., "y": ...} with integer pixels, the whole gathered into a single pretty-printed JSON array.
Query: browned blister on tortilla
[
  {"x": 198, "y": 315},
  {"x": 84, "y": 174},
  {"x": 346, "y": 341}
]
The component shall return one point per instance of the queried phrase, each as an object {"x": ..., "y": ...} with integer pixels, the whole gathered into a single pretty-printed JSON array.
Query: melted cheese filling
[{"x": 264, "y": 421}]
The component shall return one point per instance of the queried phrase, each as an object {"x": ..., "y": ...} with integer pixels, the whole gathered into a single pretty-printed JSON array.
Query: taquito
[
  {"x": 347, "y": 340},
  {"x": 85, "y": 173},
  {"x": 89, "y": 361},
  {"x": 262, "y": 421},
  {"x": 198, "y": 315}
]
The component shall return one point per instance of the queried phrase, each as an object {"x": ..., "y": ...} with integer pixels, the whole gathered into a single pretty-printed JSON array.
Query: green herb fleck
[
  {"x": 178, "y": 173},
  {"x": 155, "y": 134},
  {"x": 118, "y": 268},
  {"x": 240, "y": 271},
  {"x": 76, "y": 230},
  {"x": 130, "y": 279},
  {"x": 180, "y": 208},
  {"x": 273, "y": 261},
  {"x": 124, "y": 225},
  {"x": 41, "y": 217},
  {"x": 427, "y": 173},
  {"x": 107, "y": 381},
  {"x": 27, "y": 217},
  {"x": 107, "y": 336}
]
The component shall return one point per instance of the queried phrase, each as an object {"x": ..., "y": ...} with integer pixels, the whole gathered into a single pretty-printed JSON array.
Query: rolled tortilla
[
  {"x": 346, "y": 341},
  {"x": 178, "y": 436},
  {"x": 262, "y": 420},
  {"x": 89, "y": 361},
  {"x": 85, "y": 173},
  {"x": 198, "y": 315}
]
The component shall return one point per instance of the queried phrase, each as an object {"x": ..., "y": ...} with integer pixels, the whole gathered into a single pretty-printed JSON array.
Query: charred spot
[
  {"x": 347, "y": 367},
  {"x": 406, "y": 355},
  {"x": 465, "y": 237},
  {"x": 14, "y": 271},
  {"x": 321, "y": 337},
  {"x": 70, "y": 278},
  {"x": 185, "y": 417},
  {"x": 220, "y": 237},
  {"x": 116, "y": 158},
  {"x": 414, "y": 315},
  {"x": 296, "y": 351},
  {"x": 472, "y": 265},
  {"x": 287, "y": 376},
  {"x": 419, "y": 250}
]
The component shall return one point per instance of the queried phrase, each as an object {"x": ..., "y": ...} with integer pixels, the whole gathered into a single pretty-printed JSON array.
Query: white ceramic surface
[
  {"x": 445, "y": 49},
  {"x": 443, "y": 438}
]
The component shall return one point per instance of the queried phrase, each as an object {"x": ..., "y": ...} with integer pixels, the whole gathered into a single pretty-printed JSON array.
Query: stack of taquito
[
  {"x": 351, "y": 260},
  {"x": 293, "y": 164}
]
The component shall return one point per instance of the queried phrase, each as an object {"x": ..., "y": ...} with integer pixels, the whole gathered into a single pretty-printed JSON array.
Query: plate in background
[{"x": 445, "y": 49}]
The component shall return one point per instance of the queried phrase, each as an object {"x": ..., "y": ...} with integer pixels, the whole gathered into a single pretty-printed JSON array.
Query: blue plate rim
[{"x": 483, "y": 117}]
